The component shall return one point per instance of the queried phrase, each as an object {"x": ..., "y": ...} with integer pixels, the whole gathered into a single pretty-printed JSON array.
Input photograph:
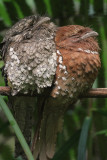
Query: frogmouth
[{"x": 58, "y": 64}]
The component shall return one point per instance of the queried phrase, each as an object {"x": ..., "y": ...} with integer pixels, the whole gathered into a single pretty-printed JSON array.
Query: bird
[{"x": 57, "y": 64}]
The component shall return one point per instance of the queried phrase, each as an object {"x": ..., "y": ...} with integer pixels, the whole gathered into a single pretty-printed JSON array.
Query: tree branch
[
  {"x": 96, "y": 93},
  {"x": 93, "y": 93},
  {"x": 6, "y": 91}
]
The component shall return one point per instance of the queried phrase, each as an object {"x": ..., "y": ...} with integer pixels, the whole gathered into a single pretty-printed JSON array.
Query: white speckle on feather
[
  {"x": 11, "y": 49},
  {"x": 94, "y": 52},
  {"x": 64, "y": 79},
  {"x": 87, "y": 51},
  {"x": 56, "y": 83},
  {"x": 29, "y": 68},
  {"x": 62, "y": 67},
  {"x": 73, "y": 78},
  {"x": 60, "y": 59},
  {"x": 80, "y": 49},
  {"x": 65, "y": 72},
  {"x": 58, "y": 52},
  {"x": 57, "y": 93},
  {"x": 59, "y": 87}
]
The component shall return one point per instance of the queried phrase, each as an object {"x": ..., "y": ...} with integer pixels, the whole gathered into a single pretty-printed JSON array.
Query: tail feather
[
  {"x": 51, "y": 124},
  {"x": 52, "y": 129},
  {"x": 23, "y": 109}
]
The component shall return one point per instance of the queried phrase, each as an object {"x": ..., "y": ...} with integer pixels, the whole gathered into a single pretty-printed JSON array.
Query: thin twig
[
  {"x": 96, "y": 93},
  {"x": 6, "y": 91},
  {"x": 93, "y": 93}
]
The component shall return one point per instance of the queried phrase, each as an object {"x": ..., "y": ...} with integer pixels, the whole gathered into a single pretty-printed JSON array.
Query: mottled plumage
[
  {"x": 57, "y": 63},
  {"x": 30, "y": 60}
]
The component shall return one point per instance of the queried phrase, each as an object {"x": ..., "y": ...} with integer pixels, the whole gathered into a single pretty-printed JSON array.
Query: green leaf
[
  {"x": 16, "y": 129},
  {"x": 22, "y": 8},
  {"x": 48, "y": 7},
  {"x": 68, "y": 145},
  {"x": 6, "y": 152},
  {"x": 18, "y": 9},
  {"x": 102, "y": 132},
  {"x": 102, "y": 112},
  {"x": 19, "y": 158},
  {"x": 83, "y": 139},
  {"x": 4, "y": 14},
  {"x": 40, "y": 6}
]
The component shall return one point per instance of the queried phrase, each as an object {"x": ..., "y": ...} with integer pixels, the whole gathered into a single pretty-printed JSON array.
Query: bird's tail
[
  {"x": 23, "y": 109},
  {"x": 50, "y": 125}
]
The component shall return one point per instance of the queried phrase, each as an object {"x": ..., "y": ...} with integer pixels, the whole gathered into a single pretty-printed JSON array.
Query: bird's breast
[{"x": 77, "y": 66}]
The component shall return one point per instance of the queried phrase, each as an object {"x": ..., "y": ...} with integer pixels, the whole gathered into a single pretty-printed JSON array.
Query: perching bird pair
[{"x": 58, "y": 64}]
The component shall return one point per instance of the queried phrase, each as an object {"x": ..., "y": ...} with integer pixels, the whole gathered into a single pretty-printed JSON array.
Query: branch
[
  {"x": 6, "y": 91},
  {"x": 93, "y": 93},
  {"x": 96, "y": 93}
]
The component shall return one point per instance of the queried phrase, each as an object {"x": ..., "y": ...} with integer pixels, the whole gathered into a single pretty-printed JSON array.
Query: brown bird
[{"x": 58, "y": 64}]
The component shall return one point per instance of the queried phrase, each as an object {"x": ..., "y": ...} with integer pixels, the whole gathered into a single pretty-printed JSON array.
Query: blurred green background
[{"x": 89, "y": 117}]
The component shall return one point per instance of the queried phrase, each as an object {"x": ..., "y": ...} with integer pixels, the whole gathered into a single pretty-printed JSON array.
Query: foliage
[
  {"x": 90, "y": 13},
  {"x": 17, "y": 130}
]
